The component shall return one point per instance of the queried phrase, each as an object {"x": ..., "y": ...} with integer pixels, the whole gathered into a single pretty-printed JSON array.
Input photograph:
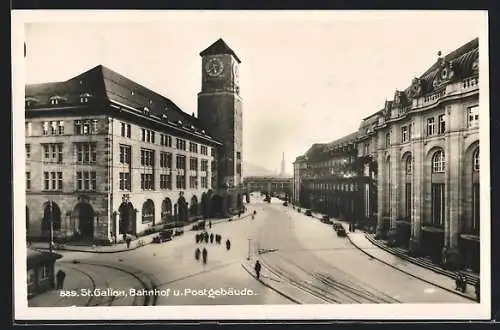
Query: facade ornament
[
  {"x": 475, "y": 65},
  {"x": 446, "y": 72},
  {"x": 416, "y": 88}
]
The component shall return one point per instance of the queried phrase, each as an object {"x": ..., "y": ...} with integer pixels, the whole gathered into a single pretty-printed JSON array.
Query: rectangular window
[
  {"x": 125, "y": 182},
  {"x": 193, "y": 164},
  {"x": 408, "y": 201},
  {"x": 204, "y": 150},
  {"x": 441, "y": 124},
  {"x": 86, "y": 153},
  {"x": 52, "y": 181},
  {"x": 404, "y": 134},
  {"x": 438, "y": 204},
  {"x": 193, "y": 147},
  {"x": 180, "y": 144},
  {"x": 147, "y": 181},
  {"x": 152, "y": 137},
  {"x": 204, "y": 165},
  {"x": 181, "y": 181},
  {"x": 143, "y": 135},
  {"x": 28, "y": 181},
  {"x": 125, "y": 154},
  {"x": 129, "y": 130},
  {"x": 123, "y": 129},
  {"x": 168, "y": 141},
  {"x": 238, "y": 169},
  {"x": 473, "y": 116},
  {"x": 431, "y": 126},
  {"x": 180, "y": 162},
  {"x": 28, "y": 150},
  {"x": 53, "y": 128},
  {"x": 61, "y": 127},
  {"x": 238, "y": 155},
  {"x": 193, "y": 182},
  {"x": 147, "y": 157},
  {"x": 204, "y": 182},
  {"x": 27, "y": 129},
  {"x": 44, "y": 273},
  {"x": 53, "y": 152},
  {"x": 86, "y": 180},
  {"x": 86, "y": 127},
  {"x": 475, "y": 209},
  {"x": 45, "y": 128}
]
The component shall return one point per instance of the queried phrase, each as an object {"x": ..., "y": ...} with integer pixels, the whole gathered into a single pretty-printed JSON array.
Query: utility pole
[{"x": 249, "y": 247}]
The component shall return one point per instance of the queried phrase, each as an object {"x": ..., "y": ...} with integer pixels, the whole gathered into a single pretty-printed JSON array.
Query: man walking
[
  {"x": 257, "y": 269},
  {"x": 60, "y": 279}
]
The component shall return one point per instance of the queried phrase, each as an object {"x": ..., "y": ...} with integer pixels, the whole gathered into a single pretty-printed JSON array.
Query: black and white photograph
[{"x": 251, "y": 165}]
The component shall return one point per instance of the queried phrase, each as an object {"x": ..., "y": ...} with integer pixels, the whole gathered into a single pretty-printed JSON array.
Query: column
[
  {"x": 395, "y": 180},
  {"x": 453, "y": 178},
  {"x": 417, "y": 186},
  {"x": 380, "y": 182}
]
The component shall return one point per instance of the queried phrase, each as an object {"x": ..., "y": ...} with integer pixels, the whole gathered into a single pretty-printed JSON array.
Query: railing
[
  {"x": 434, "y": 97},
  {"x": 470, "y": 82}
]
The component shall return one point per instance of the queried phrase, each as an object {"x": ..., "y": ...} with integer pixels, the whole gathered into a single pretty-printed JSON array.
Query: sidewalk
[
  {"x": 75, "y": 280},
  {"x": 121, "y": 247},
  {"x": 360, "y": 240}
]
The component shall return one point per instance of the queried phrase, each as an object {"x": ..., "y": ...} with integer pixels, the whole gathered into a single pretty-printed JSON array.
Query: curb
[
  {"x": 408, "y": 273},
  {"x": 435, "y": 269},
  {"x": 270, "y": 287},
  {"x": 125, "y": 249}
]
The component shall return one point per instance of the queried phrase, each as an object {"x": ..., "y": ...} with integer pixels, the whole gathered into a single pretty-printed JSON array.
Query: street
[{"x": 296, "y": 252}]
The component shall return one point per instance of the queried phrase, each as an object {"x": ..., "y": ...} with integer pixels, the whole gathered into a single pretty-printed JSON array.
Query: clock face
[{"x": 214, "y": 67}]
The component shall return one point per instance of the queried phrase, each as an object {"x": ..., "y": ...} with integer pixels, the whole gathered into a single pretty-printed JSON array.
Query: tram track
[{"x": 100, "y": 300}]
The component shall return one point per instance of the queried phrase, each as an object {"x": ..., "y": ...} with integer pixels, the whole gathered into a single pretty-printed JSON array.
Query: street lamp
[
  {"x": 51, "y": 236},
  {"x": 249, "y": 247}
]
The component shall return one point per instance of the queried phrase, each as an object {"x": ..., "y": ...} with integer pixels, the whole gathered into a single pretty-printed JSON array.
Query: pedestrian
[
  {"x": 60, "y": 279},
  {"x": 477, "y": 290},
  {"x": 211, "y": 238},
  {"x": 124, "y": 237},
  {"x": 197, "y": 238},
  {"x": 257, "y": 269},
  {"x": 128, "y": 240},
  {"x": 197, "y": 254},
  {"x": 210, "y": 224},
  {"x": 228, "y": 244},
  {"x": 239, "y": 214},
  {"x": 457, "y": 281},
  {"x": 205, "y": 254}
]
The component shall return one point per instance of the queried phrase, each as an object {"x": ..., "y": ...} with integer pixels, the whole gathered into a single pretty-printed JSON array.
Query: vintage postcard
[{"x": 173, "y": 165}]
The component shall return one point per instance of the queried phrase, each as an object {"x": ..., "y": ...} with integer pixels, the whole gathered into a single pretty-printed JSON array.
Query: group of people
[
  {"x": 205, "y": 237},
  {"x": 461, "y": 285}
]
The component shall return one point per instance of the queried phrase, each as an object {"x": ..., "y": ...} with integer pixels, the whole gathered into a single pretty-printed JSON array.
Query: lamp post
[
  {"x": 51, "y": 236},
  {"x": 249, "y": 247}
]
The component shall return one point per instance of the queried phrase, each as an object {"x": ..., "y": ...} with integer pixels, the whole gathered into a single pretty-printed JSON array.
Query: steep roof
[
  {"x": 105, "y": 84},
  {"x": 350, "y": 138},
  {"x": 219, "y": 47}
]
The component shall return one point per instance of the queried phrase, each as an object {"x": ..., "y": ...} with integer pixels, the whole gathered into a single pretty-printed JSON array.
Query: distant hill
[{"x": 250, "y": 169}]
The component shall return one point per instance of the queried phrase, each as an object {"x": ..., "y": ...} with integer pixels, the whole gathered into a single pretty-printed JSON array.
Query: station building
[
  {"x": 418, "y": 163},
  {"x": 106, "y": 156}
]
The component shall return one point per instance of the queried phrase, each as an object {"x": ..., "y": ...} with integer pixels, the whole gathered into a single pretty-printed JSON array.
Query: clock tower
[{"x": 220, "y": 110}]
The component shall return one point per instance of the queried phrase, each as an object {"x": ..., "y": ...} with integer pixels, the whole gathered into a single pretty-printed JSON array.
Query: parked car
[
  {"x": 326, "y": 219},
  {"x": 285, "y": 203},
  {"x": 337, "y": 226},
  {"x": 308, "y": 213},
  {"x": 341, "y": 232},
  {"x": 163, "y": 236},
  {"x": 299, "y": 209}
]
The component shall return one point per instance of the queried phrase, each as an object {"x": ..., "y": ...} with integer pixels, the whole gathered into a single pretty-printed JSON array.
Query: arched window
[
  {"x": 51, "y": 214},
  {"x": 148, "y": 211},
  {"x": 438, "y": 162},
  {"x": 475, "y": 160},
  {"x": 408, "y": 167}
]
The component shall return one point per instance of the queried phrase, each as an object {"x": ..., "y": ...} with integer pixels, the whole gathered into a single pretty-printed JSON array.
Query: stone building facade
[
  {"x": 421, "y": 152},
  {"x": 105, "y": 155}
]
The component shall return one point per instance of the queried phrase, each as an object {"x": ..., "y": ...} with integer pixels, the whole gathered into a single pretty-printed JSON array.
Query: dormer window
[
  {"x": 192, "y": 127},
  {"x": 30, "y": 101},
  {"x": 55, "y": 100},
  {"x": 203, "y": 131},
  {"x": 179, "y": 122},
  {"x": 85, "y": 97},
  {"x": 146, "y": 110},
  {"x": 164, "y": 117}
]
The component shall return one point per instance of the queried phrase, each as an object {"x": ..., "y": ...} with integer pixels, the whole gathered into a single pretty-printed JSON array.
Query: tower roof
[{"x": 219, "y": 47}]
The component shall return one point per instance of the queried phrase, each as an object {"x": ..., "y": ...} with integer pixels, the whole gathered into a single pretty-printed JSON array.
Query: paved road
[
  {"x": 329, "y": 269},
  {"x": 306, "y": 257}
]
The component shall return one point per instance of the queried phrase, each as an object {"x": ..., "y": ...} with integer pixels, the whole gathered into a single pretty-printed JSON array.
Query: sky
[{"x": 305, "y": 77}]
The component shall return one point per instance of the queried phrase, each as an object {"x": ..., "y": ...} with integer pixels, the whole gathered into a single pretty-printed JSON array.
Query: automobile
[
  {"x": 337, "y": 226},
  {"x": 308, "y": 212},
  {"x": 341, "y": 232},
  {"x": 285, "y": 203},
  {"x": 163, "y": 236},
  {"x": 298, "y": 209},
  {"x": 326, "y": 219}
]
